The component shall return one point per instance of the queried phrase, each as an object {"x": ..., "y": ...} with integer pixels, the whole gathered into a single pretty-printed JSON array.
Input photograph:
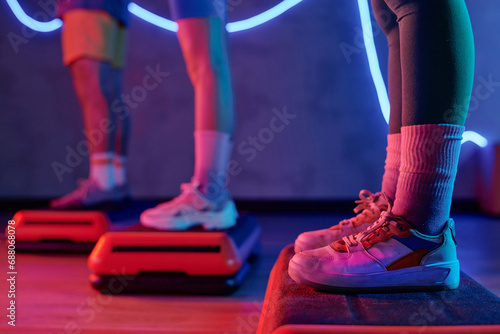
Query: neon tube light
[
  {"x": 371, "y": 53},
  {"x": 474, "y": 137},
  {"x": 266, "y": 16},
  {"x": 157, "y": 20},
  {"x": 30, "y": 22},
  {"x": 263, "y": 17},
  {"x": 152, "y": 18}
]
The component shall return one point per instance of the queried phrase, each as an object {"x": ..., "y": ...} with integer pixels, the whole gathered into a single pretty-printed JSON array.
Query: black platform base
[
  {"x": 54, "y": 246},
  {"x": 169, "y": 283},
  {"x": 293, "y": 308}
]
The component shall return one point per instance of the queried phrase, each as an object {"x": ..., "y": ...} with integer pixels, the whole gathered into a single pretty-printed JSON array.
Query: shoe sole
[
  {"x": 222, "y": 220},
  {"x": 443, "y": 276}
]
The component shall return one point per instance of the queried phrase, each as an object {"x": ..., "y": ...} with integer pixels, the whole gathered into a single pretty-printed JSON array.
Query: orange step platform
[
  {"x": 182, "y": 262},
  {"x": 50, "y": 230}
]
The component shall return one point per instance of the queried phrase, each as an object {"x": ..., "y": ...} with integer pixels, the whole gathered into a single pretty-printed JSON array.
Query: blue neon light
[
  {"x": 383, "y": 97},
  {"x": 474, "y": 137},
  {"x": 262, "y": 17},
  {"x": 152, "y": 18},
  {"x": 157, "y": 20},
  {"x": 364, "y": 13},
  {"x": 30, "y": 22},
  {"x": 371, "y": 53}
]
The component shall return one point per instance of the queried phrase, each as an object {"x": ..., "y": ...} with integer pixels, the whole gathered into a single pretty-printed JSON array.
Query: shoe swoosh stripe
[
  {"x": 410, "y": 260},
  {"x": 388, "y": 252}
]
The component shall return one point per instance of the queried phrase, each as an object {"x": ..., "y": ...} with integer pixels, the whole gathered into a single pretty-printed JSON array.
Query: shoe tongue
[{"x": 339, "y": 246}]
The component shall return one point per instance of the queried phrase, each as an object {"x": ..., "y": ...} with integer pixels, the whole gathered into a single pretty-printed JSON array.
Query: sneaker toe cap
[
  {"x": 314, "y": 239},
  {"x": 318, "y": 258}
]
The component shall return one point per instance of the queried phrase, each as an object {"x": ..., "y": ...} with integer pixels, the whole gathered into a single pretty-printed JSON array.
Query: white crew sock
[
  {"x": 102, "y": 169},
  {"x": 212, "y": 154},
  {"x": 120, "y": 166}
]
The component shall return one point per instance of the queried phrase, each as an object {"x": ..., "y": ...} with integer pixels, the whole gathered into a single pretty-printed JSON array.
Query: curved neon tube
[
  {"x": 157, "y": 20},
  {"x": 262, "y": 17},
  {"x": 371, "y": 53},
  {"x": 152, "y": 18},
  {"x": 30, "y": 22},
  {"x": 474, "y": 137}
]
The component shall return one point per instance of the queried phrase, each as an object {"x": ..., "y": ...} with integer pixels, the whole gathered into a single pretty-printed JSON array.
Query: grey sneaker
[{"x": 89, "y": 196}]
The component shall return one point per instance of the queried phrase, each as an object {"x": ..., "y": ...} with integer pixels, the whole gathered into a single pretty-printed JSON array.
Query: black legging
[{"x": 431, "y": 60}]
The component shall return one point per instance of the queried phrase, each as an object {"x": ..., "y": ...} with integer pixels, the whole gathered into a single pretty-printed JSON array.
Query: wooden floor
[{"x": 53, "y": 294}]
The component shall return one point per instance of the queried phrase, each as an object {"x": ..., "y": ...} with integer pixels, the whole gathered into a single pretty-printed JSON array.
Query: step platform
[
  {"x": 291, "y": 308},
  {"x": 58, "y": 231},
  {"x": 144, "y": 260}
]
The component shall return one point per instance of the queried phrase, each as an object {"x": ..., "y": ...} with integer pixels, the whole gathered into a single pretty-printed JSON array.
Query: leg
[
  {"x": 92, "y": 83},
  {"x": 437, "y": 57},
  {"x": 205, "y": 200},
  {"x": 123, "y": 121},
  {"x": 204, "y": 46},
  {"x": 122, "y": 133},
  {"x": 87, "y": 39},
  {"x": 412, "y": 245},
  {"x": 387, "y": 21}
]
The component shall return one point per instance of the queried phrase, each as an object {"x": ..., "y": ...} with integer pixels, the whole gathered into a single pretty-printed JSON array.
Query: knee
[
  {"x": 386, "y": 18},
  {"x": 205, "y": 63}
]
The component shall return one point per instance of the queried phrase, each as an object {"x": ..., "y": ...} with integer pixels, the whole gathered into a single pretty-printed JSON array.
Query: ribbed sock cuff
[
  {"x": 429, "y": 160},
  {"x": 392, "y": 164}
]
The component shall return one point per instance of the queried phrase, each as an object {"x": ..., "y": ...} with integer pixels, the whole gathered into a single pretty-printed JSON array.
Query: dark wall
[{"x": 334, "y": 146}]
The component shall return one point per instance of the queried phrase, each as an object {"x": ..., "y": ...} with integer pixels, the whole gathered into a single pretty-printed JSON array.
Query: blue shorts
[
  {"x": 115, "y": 8},
  {"x": 182, "y": 9}
]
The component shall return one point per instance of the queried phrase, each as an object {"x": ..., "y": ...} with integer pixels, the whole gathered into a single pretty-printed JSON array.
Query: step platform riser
[
  {"x": 292, "y": 308},
  {"x": 58, "y": 231},
  {"x": 187, "y": 262}
]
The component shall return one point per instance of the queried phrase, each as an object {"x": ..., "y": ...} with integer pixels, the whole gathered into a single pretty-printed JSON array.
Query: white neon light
[
  {"x": 371, "y": 53},
  {"x": 30, "y": 22},
  {"x": 152, "y": 18},
  {"x": 262, "y": 17},
  {"x": 474, "y": 137}
]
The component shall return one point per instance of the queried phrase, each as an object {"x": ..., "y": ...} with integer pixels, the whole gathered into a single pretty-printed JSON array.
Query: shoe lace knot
[
  {"x": 187, "y": 189},
  {"x": 383, "y": 222},
  {"x": 366, "y": 207}
]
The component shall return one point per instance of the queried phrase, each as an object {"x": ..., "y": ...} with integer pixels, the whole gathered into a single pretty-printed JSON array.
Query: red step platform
[
  {"x": 291, "y": 308},
  {"x": 143, "y": 260},
  {"x": 50, "y": 230}
]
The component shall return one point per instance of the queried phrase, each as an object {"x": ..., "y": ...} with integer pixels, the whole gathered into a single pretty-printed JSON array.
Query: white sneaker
[
  {"x": 369, "y": 208},
  {"x": 192, "y": 208},
  {"x": 390, "y": 254}
]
